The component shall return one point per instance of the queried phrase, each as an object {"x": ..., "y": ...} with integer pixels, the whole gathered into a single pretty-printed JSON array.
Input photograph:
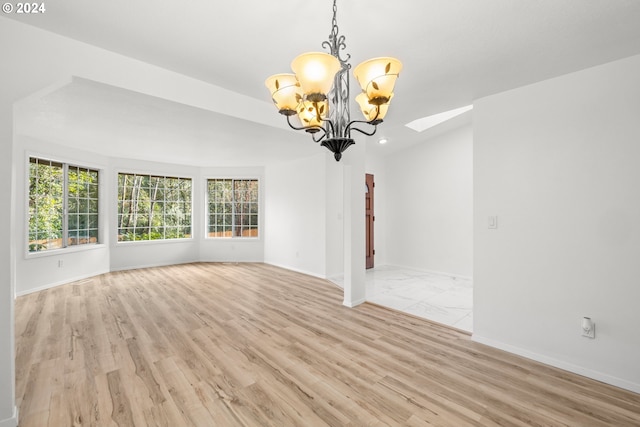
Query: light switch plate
[{"x": 493, "y": 222}]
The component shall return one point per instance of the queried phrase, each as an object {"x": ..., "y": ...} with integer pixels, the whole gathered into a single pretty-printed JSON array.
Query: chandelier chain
[
  {"x": 336, "y": 43},
  {"x": 335, "y": 20}
]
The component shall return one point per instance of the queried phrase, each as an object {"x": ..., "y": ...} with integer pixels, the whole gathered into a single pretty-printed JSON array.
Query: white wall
[
  {"x": 354, "y": 161},
  {"x": 557, "y": 162},
  {"x": 295, "y": 215},
  {"x": 334, "y": 235},
  {"x": 8, "y": 416},
  {"x": 429, "y": 204}
]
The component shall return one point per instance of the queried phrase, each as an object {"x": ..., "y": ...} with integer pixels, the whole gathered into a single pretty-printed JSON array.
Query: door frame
[{"x": 369, "y": 219}]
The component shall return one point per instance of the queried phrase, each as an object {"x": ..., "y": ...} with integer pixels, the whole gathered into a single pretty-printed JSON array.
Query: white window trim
[{"x": 206, "y": 209}]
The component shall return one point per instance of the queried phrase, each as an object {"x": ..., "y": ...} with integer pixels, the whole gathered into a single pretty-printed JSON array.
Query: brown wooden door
[{"x": 369, "y": 219}]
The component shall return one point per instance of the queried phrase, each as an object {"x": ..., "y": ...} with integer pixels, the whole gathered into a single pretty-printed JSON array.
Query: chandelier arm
[
  {"x": 303, "y": 127},
  {"x": 373, "y": 122},
  {"x": 324, "y": 135},
  {"x": 375, "y": 128}
]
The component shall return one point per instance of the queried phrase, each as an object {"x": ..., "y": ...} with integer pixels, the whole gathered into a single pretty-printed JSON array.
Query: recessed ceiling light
[
  {"x": 383, "y": 141},
  {"x": 425, "y": 123}
]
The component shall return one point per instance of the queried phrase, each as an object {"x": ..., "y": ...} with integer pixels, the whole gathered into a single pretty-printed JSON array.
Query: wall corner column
[{"x": 355, "y": 291}]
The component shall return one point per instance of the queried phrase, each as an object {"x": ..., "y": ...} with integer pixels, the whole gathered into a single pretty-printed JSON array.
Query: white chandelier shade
[
  {"x": 377, "y": 78},
  {"x": 315, "y": 72},
  {"x": 285, "y": 91}
]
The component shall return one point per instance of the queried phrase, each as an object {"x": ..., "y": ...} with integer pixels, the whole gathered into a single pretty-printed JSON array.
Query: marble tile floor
[{"x": 438, "y": 297}]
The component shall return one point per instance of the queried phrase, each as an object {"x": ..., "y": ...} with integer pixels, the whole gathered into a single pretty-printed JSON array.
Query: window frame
[
  {"x": 207, "y": 213},
  {"x": 153, "y": 174},
  {"x": 66, "y": 164}
]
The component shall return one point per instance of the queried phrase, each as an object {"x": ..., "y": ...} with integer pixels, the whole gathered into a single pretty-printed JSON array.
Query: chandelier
[{"x": 318, "y": 93}]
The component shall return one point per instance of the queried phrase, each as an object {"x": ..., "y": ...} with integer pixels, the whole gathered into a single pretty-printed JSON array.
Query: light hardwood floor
[{"x": 254, "y": 345}]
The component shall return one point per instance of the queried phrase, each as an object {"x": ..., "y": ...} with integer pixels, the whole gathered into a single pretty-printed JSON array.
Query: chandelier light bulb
[{"x": 315, "y": 71}]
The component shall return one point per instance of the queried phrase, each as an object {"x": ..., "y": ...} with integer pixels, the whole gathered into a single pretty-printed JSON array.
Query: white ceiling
[
  {"x": 453, "y": 52},
  {"x": 111, "y": 121}
]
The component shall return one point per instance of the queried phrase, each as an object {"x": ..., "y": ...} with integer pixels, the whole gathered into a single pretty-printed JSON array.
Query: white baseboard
[
  {"x": 424, "y": 270},
  {"x": 352, "y": 304},
  {"x": 137, "y": 267},
  {"x": 570, "y": 367},
  {"x": 11, "y": 422},
  {"x": 337, "y": 280},
  {"x": 152, "y": 265},
  {"x": 297, "y": 270},
  {"x": 60, "y": 283},
  {"x": 346, "y": 303}
]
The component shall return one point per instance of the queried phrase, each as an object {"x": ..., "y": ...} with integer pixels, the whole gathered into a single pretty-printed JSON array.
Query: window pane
[
  {"x": 125, "y": 234},
  {"x": 140, "y": 234},
  {"x": 151, "y": 205},
  {"x": 93, "y": 221},
  {"x": 93, "y": 206},
  {"x": 73, "y": 222},
  {"x": 83, "y": 221},
  {"x": 73, "y": 237},
  {"x": 46, "y": 192},
  {"x": 73, "y": 204},
  {"x": 93, "y": 191},
  {"x": 157, "y": 233}
]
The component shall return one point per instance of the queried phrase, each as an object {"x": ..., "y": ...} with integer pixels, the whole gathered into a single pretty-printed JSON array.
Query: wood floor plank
[
  {"x": 104, "y": 404},
  {"x": 225, "y": 344},
  {"x": 122, "y": 409}
]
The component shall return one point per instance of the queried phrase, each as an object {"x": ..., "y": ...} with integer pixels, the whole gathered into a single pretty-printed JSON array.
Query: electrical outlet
[
  {"x": 60, "y": 263},
  {"x": 588, "y": 328},
  {"x": 493, "y": 222}
]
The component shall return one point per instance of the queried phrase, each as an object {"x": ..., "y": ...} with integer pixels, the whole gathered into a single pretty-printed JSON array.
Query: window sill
[
  {"x": 64, "y": 251},
  {"x": 154, "y": 242},
  {"x": 232, "y": 239}
]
